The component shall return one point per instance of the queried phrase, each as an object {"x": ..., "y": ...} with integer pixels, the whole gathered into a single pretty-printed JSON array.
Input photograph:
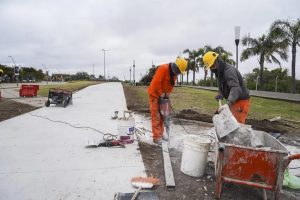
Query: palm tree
[
  {"x": 291, "y": 32},
  {"x": 199, "y": 61},
  {"x": 265, "y": 47},
  {"x": 192, "y": 64}
]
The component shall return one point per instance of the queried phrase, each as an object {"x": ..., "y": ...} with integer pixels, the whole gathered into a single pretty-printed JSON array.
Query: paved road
[
  {"x": 265, "y": 94},
  {"x": 43, "y": 159}
]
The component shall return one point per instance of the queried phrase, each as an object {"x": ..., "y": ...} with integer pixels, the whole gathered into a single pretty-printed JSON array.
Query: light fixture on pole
[
  {"x": 133, "y": 73},
  {"x": 46, "y": 73},
  {"x": 237, "y": 31},
  {"x": 16, "y": 70},
  {"x": 104, "y": 50},
  {"x": 130, "y": 74}
]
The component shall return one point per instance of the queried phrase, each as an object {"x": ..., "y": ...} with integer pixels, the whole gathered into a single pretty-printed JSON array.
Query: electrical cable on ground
[{"x": 79, "y": 127}]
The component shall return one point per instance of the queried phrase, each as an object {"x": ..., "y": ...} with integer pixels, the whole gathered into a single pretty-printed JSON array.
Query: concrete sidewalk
[{"x": 42, "y": 159}]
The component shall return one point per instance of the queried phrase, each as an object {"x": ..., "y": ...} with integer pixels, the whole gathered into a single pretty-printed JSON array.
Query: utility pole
[
  {"x": 93, "y": 71},
  {"x": 237, "y": 31},
  {"x": 46, "y": 73},
  {"x": 16, "y": 70},
  {"x": 133, "y": 72},
  {"x": 104, "y": 59},
  {"x": 130, "y": 74}
]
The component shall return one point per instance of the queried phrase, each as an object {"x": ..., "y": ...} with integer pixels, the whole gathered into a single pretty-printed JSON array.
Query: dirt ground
[
  {"x": 10, "y": 109},
  {"x": 191, "y": 188}
]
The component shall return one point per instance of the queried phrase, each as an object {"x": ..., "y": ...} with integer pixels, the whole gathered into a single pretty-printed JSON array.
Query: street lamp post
[
  {"x": 133, "y": 73},
  {"x": 104, "y": 50},
  {"x": 237, "y": 31},
  {"x": 16, "y": 72},
  {"x": 130, "y": 75},
  {"x": 46, "y": 73}
]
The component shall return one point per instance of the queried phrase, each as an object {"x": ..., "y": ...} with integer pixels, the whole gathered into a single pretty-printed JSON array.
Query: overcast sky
[{"x": 68, "y": 35}]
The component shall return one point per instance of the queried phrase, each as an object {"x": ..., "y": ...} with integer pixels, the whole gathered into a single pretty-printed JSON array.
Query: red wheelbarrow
[{"x": 256, "y": 167}]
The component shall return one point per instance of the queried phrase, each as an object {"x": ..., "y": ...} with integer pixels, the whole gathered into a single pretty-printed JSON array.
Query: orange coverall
[
  {"x": 160, "y": 84},
  {"x": 240, "y": 110}
]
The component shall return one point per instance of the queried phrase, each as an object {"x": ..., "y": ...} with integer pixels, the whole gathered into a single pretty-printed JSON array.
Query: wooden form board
[{"x": 170, "y": 182}]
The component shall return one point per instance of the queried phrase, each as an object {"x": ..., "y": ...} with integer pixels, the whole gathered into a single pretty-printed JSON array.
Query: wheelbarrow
[
  {"x": 256, "y": 167},
  {"x": 59, "y": 97}
]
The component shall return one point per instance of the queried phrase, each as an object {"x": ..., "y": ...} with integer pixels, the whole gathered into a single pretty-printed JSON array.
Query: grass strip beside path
[
  {"x": 204, "y": 101},
  {"x": 71, "y": 86}
]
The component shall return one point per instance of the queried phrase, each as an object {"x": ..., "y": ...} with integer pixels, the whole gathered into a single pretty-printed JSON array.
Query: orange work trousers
[
  {"x": 240, "y": 110},
  {"x": 157, "y": 122}
]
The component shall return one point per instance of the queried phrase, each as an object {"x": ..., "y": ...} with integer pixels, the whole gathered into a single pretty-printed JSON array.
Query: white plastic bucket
[{"x": 194, "y": 155}]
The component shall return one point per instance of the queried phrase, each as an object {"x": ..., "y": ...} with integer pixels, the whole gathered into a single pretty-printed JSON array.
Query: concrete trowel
[{"x": 225, "y": 122}]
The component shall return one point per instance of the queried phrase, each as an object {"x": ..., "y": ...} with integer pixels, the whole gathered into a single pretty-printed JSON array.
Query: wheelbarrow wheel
[
  {"x": 47, "y": 104},
  {"x": 65, "y": 103}
]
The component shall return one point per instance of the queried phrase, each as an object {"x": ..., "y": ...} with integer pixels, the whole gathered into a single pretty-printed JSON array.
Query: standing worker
[
  {"x": 160, "y": 88},
  {"x": 231, "y": 86}
]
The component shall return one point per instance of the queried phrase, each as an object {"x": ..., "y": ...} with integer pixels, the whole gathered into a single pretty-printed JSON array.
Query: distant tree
[
  {"x": 277, "y": 76},
  {"x": 265, "y": 47},
  {"x": 101, "y": 78},
  {"x": 291, "y": 32},
  {"x": 146, "y": 79},
  {"x": 114, "y": 78},
  {"x": 81, "y": 76},
  {"x": 193, "y": 62}
]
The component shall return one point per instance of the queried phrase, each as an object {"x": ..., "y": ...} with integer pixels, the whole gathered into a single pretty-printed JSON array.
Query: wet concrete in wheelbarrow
[{"x": 188, "y": 187}]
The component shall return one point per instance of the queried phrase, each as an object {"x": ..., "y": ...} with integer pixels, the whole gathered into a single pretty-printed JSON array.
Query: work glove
[
  {"x": 223, "y": 107},
  {"x": 219, "y": 97}
]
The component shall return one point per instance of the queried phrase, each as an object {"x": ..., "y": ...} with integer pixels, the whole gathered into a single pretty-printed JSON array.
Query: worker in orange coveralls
[
  {"x": 160, "y": 87},
  {"x": 231, "y": 86}
]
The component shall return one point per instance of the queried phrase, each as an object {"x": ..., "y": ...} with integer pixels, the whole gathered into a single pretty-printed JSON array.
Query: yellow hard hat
[
  {"x": 209, "y": 59},
  {"x": 181, "y": 64},
  {"x": 1, "y": 71}
]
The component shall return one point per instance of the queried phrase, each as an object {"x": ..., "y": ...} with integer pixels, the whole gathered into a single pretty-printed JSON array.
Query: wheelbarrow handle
[
  {"x": 288, "y": 159},
  {"x": 293, "y": 157}
]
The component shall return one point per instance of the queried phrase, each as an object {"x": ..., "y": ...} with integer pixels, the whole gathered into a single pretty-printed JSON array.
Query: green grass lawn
[
  {"x": 204, "y": 100},
  {"x": 71, "y": 86}
]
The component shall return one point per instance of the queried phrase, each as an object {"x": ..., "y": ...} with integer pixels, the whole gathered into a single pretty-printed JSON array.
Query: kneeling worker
[
  {"x": 160, "y": 87},
  {"x": 231, "y": 86}
]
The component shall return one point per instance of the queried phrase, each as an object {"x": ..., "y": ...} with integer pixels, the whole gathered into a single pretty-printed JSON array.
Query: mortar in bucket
[
  {"x": 126, "y": 128},
  {"x": 194, "y": 155}
]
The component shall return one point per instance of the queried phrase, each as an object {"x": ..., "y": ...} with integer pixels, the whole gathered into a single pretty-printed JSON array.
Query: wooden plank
[{"x": 170, "y": 182}]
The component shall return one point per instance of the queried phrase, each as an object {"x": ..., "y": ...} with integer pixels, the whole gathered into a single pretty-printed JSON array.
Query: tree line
[
  {"x": 30, "y": 74},
  {"x": 281, "y": 35}
]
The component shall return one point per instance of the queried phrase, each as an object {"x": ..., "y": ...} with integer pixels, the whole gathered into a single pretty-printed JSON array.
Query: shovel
[{"x": 224, "y": 122}]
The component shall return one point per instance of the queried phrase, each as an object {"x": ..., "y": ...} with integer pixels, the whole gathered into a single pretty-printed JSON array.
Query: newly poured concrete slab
[{"x": 43, "y": 157}]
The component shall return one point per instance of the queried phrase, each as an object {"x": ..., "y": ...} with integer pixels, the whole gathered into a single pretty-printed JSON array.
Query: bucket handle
[{"x": 288, "y": 159}]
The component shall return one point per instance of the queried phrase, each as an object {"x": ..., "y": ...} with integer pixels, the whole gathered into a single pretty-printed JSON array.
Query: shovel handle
[{"x": 220, "y": 103}]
